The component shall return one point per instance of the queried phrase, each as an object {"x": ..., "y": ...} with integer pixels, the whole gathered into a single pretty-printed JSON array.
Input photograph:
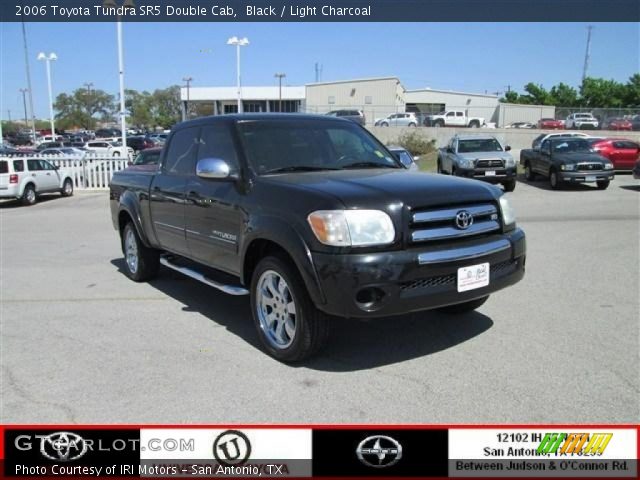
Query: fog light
[{"x": 370, "y": 298}]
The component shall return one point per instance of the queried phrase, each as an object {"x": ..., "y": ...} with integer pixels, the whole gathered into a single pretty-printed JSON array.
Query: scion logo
[
  {"x": 63, "y": 446},
  {"x": 464, "y": 219},
  {"x": 232, "y": 447},
  {"x": 379, "y": 451}
]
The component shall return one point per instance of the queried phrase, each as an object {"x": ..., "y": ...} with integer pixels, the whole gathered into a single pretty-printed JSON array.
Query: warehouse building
[{"x": 429, "y": 101}]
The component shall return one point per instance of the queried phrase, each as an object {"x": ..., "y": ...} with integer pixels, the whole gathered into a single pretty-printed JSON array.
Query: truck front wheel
[
  {"x": 509, "y": 186},
  {"x": 464, "y": 307},
  {"x": 141, "y": 262},
  {"x": 289, "y": 325},
  {"x": 474, "y": 124}
]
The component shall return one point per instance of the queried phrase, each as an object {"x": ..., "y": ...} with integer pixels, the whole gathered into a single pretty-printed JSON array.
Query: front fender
[{"x": 278, "y": 231}]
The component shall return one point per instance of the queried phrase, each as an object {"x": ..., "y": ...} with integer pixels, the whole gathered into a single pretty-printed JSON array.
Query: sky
[{"x": 472, "y": 57}]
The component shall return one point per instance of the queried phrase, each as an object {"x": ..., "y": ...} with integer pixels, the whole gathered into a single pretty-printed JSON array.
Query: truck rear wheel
[
  {"x": 464, "y": 307},
  {"x": 474, "y": 124},
  {"x": 141, "y": 262},
  {"x": 289, "y": 325},
  {"x": 509, "y": 186}
]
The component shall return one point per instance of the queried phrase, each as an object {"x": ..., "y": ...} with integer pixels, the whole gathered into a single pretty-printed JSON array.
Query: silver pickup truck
[{"x": 481, "y": 157}]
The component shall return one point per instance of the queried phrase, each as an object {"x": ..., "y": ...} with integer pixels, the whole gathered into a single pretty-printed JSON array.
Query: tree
[
  {"x": 139, "y": 107},
  {"x": 598, "y": 92},
  {"x": 536, "y": 94},
  {"x": 511, "y": 97},
  {"x": 563, "y": 95},
  {"x": 632, "y": 91},
  {"x": 79, "y": 108},
  {"x": 165, "y": 106}
]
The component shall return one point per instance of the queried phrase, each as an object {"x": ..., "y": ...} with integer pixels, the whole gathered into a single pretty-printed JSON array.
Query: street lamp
[
  {"x": 238, "y": 42},
  {"x": 188, "y": 80},
  {"x": 280, "y": 76},
  {"x": 48, "y": 59},
  {"x": 88, "y": 85},
  {"x": 123, "y": 121}
]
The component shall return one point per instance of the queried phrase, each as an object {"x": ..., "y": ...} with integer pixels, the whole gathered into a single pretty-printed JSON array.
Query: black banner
[
  {"x": 320, "y": 11},
  {"x": 380, "y": 453}
]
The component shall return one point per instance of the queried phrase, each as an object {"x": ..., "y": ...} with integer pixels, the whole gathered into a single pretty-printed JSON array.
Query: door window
[
  {"x": 34, "y": 165},
  {"x": 181, "y": 156},
  {"x": 216, "y": 141}
]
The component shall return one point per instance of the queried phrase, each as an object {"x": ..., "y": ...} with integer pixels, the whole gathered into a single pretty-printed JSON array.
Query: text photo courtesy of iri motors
[
  {"x": 338, "y": 238},
  {"x": 322, "y": 452}
]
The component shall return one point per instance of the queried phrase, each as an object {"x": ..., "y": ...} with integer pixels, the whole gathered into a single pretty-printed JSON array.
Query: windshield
[
  {"x": 479, "y": 145},
  {"x": 569, "y": 146},
  {"x": 273, "y": 146}
]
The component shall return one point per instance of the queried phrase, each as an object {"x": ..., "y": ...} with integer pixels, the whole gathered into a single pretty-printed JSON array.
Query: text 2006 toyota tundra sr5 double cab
[{"x": 313, "y": 218}]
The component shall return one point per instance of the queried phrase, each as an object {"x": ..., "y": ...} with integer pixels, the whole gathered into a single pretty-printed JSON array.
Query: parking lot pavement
[{"x": 82, "y": 343}]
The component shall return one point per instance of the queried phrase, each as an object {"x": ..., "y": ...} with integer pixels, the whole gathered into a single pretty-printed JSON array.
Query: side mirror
[
  {"x": 507, "y": 148},
  {"x": 213, "y": 169},
  {"x": 416, "y": 158}
]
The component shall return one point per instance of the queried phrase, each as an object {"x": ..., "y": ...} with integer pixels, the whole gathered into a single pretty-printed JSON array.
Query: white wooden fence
[{"x": 90, "y": 172}]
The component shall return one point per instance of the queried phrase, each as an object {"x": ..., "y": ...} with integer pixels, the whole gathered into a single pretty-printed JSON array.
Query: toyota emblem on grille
[{"x": 464, "y": 219}]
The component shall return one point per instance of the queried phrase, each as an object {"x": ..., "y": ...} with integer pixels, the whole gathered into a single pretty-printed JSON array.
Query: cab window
[{"x": 181, "y": 156}]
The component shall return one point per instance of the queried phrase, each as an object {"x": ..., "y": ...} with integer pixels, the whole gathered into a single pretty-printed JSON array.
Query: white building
[{"x": 221, "y": 100}]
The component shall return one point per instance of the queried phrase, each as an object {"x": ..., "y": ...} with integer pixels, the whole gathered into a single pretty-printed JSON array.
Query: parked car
[
  {"x": 68, "y": 151},
  {"x": 621, "y": 152},
  {"x": 581, "y": 121},
  {"x": 398, "y": 120},
  {"x": 617, "y": 123},
  {"x": 25, "y": 179},
  {"x": 635, "y": 123},
  {"x": 108, "y": 149},
  {"x": 150, "y": 156},
  {"x": 108, "y": 132},
  {"x": 521, "y": 125},
  {"x": 636, "y": 170},
  {"x": 550, "y": 124},
  {"x": 354, "y": 115},
  {"x": 158, "y": 138},
  {"x": 140, "y": 143},
  {"x": 402, "y": 154},
  {"x": 567, "y": 160},
  {"x": 544, "y": 136},
  {"x": 51, "y": 138},
  {"x": 312, "y": 217},
  {"x": 478, "y": 156},
  {"x": 453, "y": 118}
]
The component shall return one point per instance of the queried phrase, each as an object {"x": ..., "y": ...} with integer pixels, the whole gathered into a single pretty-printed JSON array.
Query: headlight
[
  {"x": 568, "y": 167},
  {"x": 510, "y": 162},
  {"x": 466, "y": 163},
  {"x": 352, "y": 228},
  {"x": 508, "y": 213},
  {"x": 608, "y": 166}
]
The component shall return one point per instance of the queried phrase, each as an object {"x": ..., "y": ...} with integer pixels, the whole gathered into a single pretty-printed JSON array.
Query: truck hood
[
  {"x": 578, "y": 157},
  {"x": 378, "y": 188}
]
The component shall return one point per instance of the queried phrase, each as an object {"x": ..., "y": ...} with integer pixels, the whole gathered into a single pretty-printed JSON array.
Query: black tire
[
  {"x": 29, "y": 196},
  {"x": 311, "y": 325},
  {"x": 603, "y": 184},
  {"x": 554, "y": 181},
  {"x": 439, "y": 167},
  {"x": 148, "y": 259},
  {"x": 67, "y": 188},
  {"x": 116, "y": 154},
  {"x": 412, "y": 124},
  {"x": 438, "y": 123},
  {"x": 464, "y": 307},
  {"x": 474, "y": 124},
  {"x": 509, "y": 186},
  {"x": 384, "y": 124},
  {"x": 529, "y": 174}
]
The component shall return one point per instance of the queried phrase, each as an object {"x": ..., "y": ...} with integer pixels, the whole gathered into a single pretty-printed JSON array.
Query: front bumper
[
  {"x": 587, "y": 177},
  {"x": 500, "y": 175},
  {"x": 420, "y": 278}
]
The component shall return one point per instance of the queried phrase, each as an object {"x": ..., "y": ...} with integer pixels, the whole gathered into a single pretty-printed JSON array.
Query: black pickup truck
[
  {"x": 565, "y": 160},
  {"x": 313, "y": 218}
]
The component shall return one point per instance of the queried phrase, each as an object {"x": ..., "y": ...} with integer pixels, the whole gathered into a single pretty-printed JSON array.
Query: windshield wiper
[
  {"x": 369, "y": 165},
  {"x": 298, "y": 168}
]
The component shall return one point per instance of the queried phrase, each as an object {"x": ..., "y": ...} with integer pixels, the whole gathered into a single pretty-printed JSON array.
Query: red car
[
  {"x": 617, "y": 124},
  {"x": 550, "y": 124},
  {"x": 622, "y": 153}
]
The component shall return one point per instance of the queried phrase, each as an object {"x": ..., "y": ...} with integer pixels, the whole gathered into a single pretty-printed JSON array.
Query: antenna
[
  {"x": 318, "y": 72},
  {"x": 587, "y": 54}
]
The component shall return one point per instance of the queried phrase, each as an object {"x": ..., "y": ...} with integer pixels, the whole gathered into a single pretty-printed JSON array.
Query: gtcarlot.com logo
[
  {"x": 169, "y": 445},
  {"x": 69, "y": 446}
]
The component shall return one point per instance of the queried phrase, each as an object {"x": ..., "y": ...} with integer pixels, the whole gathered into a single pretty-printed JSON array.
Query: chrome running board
[{"x": 230, "y": 289}]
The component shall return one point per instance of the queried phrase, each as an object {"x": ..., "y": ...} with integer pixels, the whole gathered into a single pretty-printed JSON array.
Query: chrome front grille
[
  {"x": 490, "y": 163},
  {"x": 441, "y": 224},
  {"x": 588, "y": 166}
]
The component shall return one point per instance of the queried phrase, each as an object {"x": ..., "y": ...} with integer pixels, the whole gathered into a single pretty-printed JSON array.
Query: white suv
[
  {"x": 581, "y": 120},
  {"x": 25, "y": 179},
  {"x": 111, "y": 149}
]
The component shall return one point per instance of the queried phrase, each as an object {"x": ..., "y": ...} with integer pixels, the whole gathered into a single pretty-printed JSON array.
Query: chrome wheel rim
[
  {"x": 527, "y": 172},
  {"x": 67, "y": 187},
  {"x": 276, "y": 309},
  {"x": 131, "y": 250},
  {"x": 31, "y": 195},
  {"x": 554, "y": 179}
]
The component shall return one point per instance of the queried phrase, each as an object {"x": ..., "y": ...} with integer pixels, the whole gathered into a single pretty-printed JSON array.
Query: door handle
[
  {"x": 48, "y": 173},
  {"x": 33, "y": 174}
]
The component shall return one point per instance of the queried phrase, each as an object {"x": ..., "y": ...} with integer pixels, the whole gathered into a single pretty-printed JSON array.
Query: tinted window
[
  {"x": 34, "y": 165},
  {"x": 46, "y": 165},
  {"x": 4, "y": 167},
  {"x": 451, "y": 114},
  {"x": 147, "y": 158},
  {"x": 216, "y": 142},
  {"x": 625, "y": 144},
  {"x": 181, "y": 156},
  {"x": 459, "y": 114},
  {"x": 18, "y": 165}
]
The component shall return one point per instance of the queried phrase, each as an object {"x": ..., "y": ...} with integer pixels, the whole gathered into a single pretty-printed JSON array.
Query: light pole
[
  {"x": 188, "y": 80},
  {"x": 238, "y": 42},
  {"x": 48, "y": 59},
  {"x": 88, "y": 85},
  {"x": 280, "y": 76},
  {"x": 24, "y": 103}
]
